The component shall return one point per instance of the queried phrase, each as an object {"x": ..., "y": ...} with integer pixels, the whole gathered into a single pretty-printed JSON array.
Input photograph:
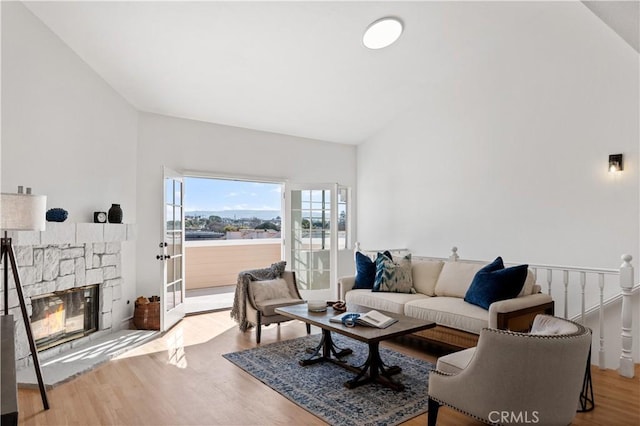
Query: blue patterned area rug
[{"x": 319, "y": 389}]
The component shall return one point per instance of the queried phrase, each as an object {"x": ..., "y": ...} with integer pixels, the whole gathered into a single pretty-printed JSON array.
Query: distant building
[
  {"x": 191, "y": 235},
  {"x": 252, "y": 234}
]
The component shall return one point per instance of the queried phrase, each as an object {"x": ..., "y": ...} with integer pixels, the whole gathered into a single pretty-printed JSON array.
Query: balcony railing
[{"x": 216, "y": 263}]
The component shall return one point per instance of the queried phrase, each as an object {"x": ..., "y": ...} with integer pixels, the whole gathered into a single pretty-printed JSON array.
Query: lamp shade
[{"x": 23, "y": 212}]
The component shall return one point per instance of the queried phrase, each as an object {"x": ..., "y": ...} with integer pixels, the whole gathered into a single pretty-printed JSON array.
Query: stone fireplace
[{"x": 72, "y": 280}]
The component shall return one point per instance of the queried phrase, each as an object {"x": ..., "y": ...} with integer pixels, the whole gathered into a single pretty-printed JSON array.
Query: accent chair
[
  {"x": 265, "y": 296},
  {"x": 515, "y": 378}
]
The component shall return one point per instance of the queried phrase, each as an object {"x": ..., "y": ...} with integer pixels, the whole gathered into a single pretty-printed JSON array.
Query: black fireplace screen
[{"x": 64, "y": 315}]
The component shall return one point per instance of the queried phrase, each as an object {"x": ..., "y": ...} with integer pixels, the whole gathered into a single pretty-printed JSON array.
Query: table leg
[
  {"x": 374, "y": 370},
  {"x": 324, "y": 350},
  {"x": 379, "y": 372}
]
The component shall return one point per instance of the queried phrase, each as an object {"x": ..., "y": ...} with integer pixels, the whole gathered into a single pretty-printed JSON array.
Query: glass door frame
[
  {"x": 288, "y": 243},
  {"x": 172, "y": 250}
]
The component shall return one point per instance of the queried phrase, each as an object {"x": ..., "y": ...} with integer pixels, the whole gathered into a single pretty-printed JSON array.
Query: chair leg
[
  {"x": 308, "y": 328},
  {"x": 586, "y": 396},
  {"x": 432, "y": 412},
  {"x": 258, "y": 328}
]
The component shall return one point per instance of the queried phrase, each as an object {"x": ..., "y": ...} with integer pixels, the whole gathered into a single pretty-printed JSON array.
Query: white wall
[
  {"x": 66, "y": 133},
  {"x": 186, "y": 145},
  {"x": 508, "y": 155},
  {"x": 69, "y": 135}
]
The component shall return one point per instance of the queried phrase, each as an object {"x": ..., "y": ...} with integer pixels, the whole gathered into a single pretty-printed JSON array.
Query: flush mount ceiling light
[{"x": 382, "y": 33}]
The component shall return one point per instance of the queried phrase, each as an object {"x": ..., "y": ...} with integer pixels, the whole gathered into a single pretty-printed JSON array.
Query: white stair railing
[{"x": 591, "y": 282}]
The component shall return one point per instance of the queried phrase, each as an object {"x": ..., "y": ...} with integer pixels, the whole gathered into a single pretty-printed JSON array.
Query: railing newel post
[
  {"x": 454, "y": 254},
  {"x": 626, "y": 284}
]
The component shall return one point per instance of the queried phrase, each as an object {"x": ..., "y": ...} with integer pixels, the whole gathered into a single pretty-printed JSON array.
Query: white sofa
[{"x": 440, "y": 289}]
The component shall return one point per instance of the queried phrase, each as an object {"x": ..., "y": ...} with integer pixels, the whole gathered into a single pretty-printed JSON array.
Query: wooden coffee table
[{"x": 374, "y": 369}]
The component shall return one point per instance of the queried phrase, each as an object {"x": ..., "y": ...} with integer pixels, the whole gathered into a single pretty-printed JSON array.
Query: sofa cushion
[
  {"x": 451, "y": 312},
  {"x": 391, "y": 302},
  {"x": 394, "y": 277},
  {"x": 455, "y": 278},
  {"x": 494, "y": 282},
  {"x": 425, "y": 275}
]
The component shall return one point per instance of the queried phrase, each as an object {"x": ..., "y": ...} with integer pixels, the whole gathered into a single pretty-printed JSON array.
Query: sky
[{"x": 219, "y": 194}]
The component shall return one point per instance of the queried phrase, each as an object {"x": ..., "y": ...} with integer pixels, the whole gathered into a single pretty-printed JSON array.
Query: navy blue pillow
[
  {"x": 365, "y": 271},
  {"x": 494, "y": 282},
  {"x": 493, "y": 266}
]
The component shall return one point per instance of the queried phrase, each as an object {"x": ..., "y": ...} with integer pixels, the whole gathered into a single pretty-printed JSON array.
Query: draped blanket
[{"x": 238, "y": 312}]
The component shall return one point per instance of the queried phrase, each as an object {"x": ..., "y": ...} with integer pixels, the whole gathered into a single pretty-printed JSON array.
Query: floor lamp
[{"x": 21, "y": 212}]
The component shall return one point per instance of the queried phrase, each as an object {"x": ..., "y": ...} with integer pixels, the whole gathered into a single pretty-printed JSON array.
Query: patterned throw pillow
[{"x": 393, "y": 276}]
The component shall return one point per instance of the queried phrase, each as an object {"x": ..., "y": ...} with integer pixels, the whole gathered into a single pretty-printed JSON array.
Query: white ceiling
[
  {"x": 622, "y": 16},
  {"x": 296, "y": 68}
]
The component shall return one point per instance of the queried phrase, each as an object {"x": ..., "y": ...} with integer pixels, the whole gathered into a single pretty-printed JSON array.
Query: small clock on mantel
[{"x": 100, "y": 217}]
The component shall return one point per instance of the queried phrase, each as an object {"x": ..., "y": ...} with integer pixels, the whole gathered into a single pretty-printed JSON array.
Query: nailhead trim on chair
[
  {"x": 578, "y": 333},
  {"x": 441, "y": 373}
]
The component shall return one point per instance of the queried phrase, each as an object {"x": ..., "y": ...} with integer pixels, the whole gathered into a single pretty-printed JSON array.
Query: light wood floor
[{"x": 181, "y": 379}]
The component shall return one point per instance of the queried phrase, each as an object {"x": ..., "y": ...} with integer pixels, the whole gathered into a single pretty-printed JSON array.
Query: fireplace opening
[{"x": 62, "y": 316}]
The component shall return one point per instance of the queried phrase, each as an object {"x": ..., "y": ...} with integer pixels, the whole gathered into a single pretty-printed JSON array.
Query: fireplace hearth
[{"x": 63, "y": 316}]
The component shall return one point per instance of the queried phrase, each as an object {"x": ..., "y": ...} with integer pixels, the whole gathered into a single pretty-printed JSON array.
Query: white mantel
[{"x": 58, "y": 233}]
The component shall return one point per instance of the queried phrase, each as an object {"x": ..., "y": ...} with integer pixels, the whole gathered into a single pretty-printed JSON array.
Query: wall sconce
[{"x": 615, "y": 163}]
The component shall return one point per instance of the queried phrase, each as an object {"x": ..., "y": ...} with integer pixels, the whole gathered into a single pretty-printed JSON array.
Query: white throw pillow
[
  {"x": 425, "y": 275},
  {"x": 546, "y": 325},
  {"x": 269, "y": 290},
  {"x": 455, "y": 278}
]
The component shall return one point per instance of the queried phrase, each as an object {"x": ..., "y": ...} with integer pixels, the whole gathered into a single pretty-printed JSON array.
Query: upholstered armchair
[
  {"x": 515, "y": 378},
  {"x": 264, "y": 296}
]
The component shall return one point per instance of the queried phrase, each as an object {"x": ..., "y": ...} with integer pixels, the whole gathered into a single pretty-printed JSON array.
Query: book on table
[{"x": 371, "y": 319}]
